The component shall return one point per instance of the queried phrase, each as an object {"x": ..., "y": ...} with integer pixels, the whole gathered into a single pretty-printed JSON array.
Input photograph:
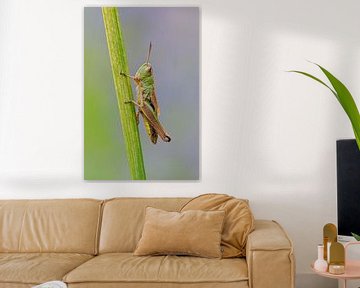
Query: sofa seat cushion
[
  {"x": 242, "y": 284},
  {"x": 36, "y": 268},
  {"x": 15, "y": 285},
  {"x": 125, "y": 267}
]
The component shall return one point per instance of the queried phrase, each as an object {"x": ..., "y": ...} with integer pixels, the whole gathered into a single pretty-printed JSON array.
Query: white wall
[{"x": 266, "y": 135}]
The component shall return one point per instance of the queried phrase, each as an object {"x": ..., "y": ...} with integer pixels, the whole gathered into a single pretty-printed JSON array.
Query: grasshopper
[{"x": 146, "y": 102}]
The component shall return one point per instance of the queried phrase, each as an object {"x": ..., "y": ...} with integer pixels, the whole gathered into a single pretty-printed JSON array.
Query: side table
[{"x": 352, "y": 269}]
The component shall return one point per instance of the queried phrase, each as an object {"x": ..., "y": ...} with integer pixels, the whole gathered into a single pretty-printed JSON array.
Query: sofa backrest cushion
[
  {"x": 239, "y": 220},
  {"x": 66, "y": 226},
  {"x": 123, "y": 220}
]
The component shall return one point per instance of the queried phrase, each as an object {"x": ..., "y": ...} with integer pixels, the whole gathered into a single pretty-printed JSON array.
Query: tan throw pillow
[
  {"x": 239, "y": 220},
  {"x": 196, "y": 233}
]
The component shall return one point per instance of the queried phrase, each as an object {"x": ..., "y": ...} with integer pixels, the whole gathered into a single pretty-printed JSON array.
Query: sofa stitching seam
[{"x": 98, "y": 228}]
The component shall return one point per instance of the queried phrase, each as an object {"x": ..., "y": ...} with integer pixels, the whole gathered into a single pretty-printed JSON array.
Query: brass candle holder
[
  {"x": 334, "y": 252},
  {"x": 329, "y": 236},
  {"x": 337, "y": 258}
]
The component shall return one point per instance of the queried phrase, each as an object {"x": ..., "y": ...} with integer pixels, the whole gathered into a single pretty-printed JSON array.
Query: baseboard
[{"x": 309, "y": 280}]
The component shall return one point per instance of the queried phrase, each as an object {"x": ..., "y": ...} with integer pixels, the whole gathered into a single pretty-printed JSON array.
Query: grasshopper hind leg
[{"x": 137, "y": 115}]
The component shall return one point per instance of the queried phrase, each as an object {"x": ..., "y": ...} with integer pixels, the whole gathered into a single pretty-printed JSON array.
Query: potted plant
[{"x": 345, "y": 99}]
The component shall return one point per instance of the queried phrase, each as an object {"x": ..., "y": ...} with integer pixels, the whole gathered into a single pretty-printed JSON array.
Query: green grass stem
[{"x": 118, "y": 59}]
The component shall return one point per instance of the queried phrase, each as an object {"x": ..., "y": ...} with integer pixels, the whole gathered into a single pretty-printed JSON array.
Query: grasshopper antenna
[{"x": 148, "y": 56}]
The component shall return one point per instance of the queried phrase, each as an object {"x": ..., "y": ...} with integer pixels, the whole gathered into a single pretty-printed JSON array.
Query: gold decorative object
[
  {"x": 330, "y": 236},
  {"x": 337, "y": 253},
  {"x": 336, "y": 269},
  {"x": 337, "y": 258}
]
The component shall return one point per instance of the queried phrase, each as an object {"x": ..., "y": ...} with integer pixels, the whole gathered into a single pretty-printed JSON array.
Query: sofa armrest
[{"x": 269, "y": 256}]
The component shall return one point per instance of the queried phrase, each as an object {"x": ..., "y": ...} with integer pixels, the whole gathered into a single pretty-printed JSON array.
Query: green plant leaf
[
  {"x": 316, "y": 79},
  {"x": 346, "y": 100},
  {"x": 344, "y": 97},
  {"x": 356, "y": 236}
]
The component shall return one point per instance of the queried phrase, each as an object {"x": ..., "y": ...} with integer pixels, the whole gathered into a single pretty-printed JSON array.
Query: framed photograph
[{"x": 161, "y": 45}]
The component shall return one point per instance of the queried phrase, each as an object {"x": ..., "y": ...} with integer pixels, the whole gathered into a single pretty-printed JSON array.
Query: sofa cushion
[
  {"x": 193, "y": 232},
  {"x": 123, "y": 220},
  {"x": 63, "y": 226},
  {"x": 236, "y": 284},
  {"x": 15, "y": 285},
  {"x": 127, "y": 268},
  {"x": 239, "y": 220},
  {"x": 36, "y": 268}
]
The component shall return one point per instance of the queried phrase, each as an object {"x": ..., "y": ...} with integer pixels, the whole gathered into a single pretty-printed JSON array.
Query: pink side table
[{"x": 352, "y": 268}]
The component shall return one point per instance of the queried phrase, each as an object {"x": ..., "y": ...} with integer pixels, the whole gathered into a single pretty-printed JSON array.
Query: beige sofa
[{"x": 89, "y": 243}]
